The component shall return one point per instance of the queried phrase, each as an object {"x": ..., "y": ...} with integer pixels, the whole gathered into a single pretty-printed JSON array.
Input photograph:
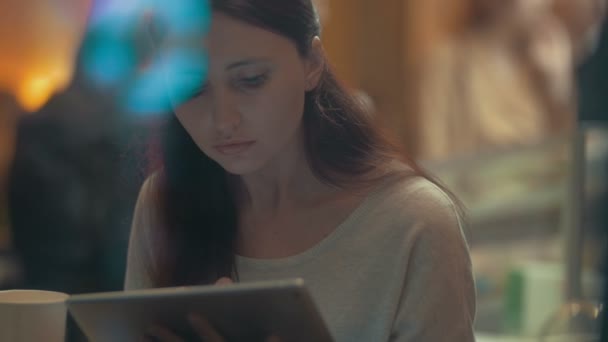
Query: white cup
[{"x": 32, "y": 315}]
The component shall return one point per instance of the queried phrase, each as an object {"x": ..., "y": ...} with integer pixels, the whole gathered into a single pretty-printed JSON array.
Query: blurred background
[{"x": 506, "y": 101}]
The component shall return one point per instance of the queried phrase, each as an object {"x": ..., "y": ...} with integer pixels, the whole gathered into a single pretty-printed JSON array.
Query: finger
[
  {"x": 204, "y": 329},
  {"x": 224, "y": 281},
  {"x": 163, "y": 334}
]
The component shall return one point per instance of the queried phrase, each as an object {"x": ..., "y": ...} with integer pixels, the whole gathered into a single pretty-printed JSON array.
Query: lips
[{"x": 233, "y": 148}]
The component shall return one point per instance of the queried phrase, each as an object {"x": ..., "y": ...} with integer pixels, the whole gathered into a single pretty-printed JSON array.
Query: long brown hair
[{"x": 198, "y": 211}]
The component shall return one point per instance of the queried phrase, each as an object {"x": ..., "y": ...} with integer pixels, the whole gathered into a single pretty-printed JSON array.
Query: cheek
[{"x": 281, "y": 109}]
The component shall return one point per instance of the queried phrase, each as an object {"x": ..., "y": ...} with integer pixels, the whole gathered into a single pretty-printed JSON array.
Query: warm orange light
[
  {"x": 35, "y": 92},
  {"x": 39, "y": 40}
]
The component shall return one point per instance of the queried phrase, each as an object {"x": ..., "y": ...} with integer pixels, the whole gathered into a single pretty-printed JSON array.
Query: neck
[{"x": 287, "y": 182}]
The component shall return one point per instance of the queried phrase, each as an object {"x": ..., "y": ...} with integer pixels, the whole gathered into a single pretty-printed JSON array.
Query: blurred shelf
[{"x": 522, "y": 192}]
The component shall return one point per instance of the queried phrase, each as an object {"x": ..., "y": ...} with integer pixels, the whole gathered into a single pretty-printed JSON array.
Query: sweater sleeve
[
  {"x": 437, "y": 302},
  {"x": 141, "y": 248}
]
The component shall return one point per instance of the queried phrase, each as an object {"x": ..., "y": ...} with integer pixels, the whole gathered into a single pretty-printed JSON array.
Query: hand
[{"x": 201, "y": 326}]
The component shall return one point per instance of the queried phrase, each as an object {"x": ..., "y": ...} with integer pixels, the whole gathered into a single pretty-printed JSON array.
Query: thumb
[{"x": 224, "y": 281}]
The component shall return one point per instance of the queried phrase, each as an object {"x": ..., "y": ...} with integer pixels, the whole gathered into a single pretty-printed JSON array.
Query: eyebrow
[{"x": 247, "y": 62}]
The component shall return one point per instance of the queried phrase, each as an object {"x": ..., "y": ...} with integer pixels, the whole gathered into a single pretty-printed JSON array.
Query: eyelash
[
  {"x": 247, "y": 82},
  {"x": 198, "y": 92},
  {"x": 253, "y": 82}
]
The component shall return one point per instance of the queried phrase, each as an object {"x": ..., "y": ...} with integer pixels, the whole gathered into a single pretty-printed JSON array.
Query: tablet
[{"x": 240, "y": 311}]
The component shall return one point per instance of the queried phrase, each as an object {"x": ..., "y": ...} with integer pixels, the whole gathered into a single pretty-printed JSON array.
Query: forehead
[{"x": 230, "y": 40}]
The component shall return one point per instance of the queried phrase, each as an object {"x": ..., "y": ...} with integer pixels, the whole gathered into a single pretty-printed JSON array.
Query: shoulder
[
  {"x": 145, "y": 238},
  {"x": 417, "y": 197},
  {"x": 148, "y": 194},
  {"x": 150, "y": 185},
  {"x": 146, "y": 217},
  {"x": 419, "y": 209}
]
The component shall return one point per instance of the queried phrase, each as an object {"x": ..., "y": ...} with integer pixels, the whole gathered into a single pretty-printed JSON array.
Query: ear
[{"x": 315, "y": 64}]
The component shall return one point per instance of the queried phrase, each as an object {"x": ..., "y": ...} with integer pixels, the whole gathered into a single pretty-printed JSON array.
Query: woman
[{"x": 272, "y": 171}]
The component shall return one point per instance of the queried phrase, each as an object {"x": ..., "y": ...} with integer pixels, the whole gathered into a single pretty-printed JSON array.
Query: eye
[
  {"x": 253, "y": 81},
  {"x": 198, "y": 92}
]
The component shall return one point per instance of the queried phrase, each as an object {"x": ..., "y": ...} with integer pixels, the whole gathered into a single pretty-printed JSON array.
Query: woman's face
[{"x": 251, "y": 107}]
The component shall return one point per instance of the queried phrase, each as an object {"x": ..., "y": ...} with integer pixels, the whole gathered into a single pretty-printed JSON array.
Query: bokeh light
[
  {"x": 137, "y": 47},
  {"x": 39, "y": 40}
]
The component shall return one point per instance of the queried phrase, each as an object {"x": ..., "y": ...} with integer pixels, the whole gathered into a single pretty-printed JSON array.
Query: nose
[{"x": 226, "y": 116}]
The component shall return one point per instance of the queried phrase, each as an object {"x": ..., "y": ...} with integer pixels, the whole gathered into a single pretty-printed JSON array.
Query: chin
[{"x": 240, "y": 167}]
